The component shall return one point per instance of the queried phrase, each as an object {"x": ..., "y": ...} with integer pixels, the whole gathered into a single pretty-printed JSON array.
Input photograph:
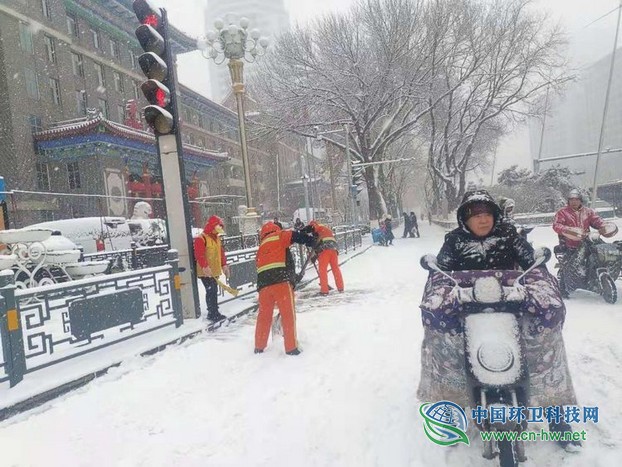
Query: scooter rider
[
  {"x": 572, "y": 223},
  {"x": 483, "y": 242}
]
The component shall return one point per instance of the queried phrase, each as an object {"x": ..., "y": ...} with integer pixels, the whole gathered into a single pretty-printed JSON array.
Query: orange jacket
[{"x": 326, "y": 237}]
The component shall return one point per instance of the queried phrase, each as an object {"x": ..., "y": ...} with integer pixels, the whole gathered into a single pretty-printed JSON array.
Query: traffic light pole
[{"x": 170, "y": 155}]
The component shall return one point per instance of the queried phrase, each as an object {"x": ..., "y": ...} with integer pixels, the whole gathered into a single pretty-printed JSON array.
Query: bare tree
[
  {"x": 520, "y": 55},
  {"x": 452, "y": 72}
]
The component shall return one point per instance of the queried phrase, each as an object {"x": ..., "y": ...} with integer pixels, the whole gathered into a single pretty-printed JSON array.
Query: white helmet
[{"x": 574, "y": 193}]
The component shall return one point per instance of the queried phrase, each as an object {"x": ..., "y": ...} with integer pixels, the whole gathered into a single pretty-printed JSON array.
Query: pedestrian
[
  {"x": 276, "y": 277},
  {"x": 389, "y": 230},
  {"x": 407, "y": 225},
  {"x": 429, "y": 218},
  {"x": 414, "y": 224},
  {"x": 298, "y": 224},
  {"x": 327, "y": 253},
  {"x": 211, "y": 262}
]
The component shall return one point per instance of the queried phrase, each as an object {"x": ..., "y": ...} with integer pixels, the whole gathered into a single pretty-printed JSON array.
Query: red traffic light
[
  {"x": 146, "y": 14},
  {"x": 156, "y": 93},
  {"x": 152, "y": 20}
]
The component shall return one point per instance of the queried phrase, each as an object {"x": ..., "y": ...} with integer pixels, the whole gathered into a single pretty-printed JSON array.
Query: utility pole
[
  {"x": 332, "y": 179},
  {"x": 536, "y": 163},
  {"x": 605, "y": 109},
  {"x": 350, "y": 184},
  {"x": 278, "y": 185}
]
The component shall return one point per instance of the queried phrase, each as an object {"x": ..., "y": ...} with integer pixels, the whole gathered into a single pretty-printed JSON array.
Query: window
[
  {"x": 50, "y": 48},
  {"x": 81, "y": 102},
  {"x": 96, "y": 38},
  {"x": 191, "y": 139},
  {"x": 118, "y": 81},
  {"x": 135, "y": 88},
  {"x": 55, "y": 88},
  {"x": 45, "y": 8},
  {"x": 32, "y": 86},
  {"x": 25, "y": 37},
  {"x": 35, "y": 123},
  {"x": 201, "y": 121},
  {"x": 101, "y": 77},
  {"x": 201, "y": 142},
  {"x": 133, "y": 60},
  {"x": 43, "y": 176},
  {"x": 72, "y": 25},
  {"x": 121, "y": 112},
  {"x": 77, "y": 63},
  {"x": 103, "y": 106},
  {"x": 114, "y": 49},
  {"x": 73, "y": 171}
]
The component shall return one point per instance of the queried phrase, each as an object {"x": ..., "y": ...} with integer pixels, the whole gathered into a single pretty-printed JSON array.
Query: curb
[{"x": 40, "y": 399}]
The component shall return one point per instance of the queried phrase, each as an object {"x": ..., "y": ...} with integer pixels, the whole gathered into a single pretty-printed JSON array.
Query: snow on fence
[
  {"x": 44, "y": 326},
  {"x": 58, "y": 322}
]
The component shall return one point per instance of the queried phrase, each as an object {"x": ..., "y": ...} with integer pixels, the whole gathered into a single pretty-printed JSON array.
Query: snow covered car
[{"x": 93, "y": 234}]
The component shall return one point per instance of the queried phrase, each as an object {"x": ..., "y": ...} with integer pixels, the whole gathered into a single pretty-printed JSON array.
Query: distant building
[
  {"x": 573, "y": 125},
  {"x": 269, "y": 16}
]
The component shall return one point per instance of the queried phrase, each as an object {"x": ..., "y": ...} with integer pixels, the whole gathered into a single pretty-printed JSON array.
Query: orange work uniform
[
  {"x": 326, "y": 249},
  {"x": 275, "y": 276}
]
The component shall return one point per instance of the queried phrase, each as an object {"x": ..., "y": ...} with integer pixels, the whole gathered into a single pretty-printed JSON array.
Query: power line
[{"x": 603, "y": 16}]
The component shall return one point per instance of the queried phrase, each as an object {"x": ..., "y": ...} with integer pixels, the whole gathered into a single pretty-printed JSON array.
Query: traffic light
[{"x": 156, "y": 64}]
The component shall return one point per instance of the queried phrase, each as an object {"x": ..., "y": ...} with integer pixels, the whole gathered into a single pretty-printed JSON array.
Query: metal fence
[
  {"x": 239, "y": 250},
  {"x": 43, "y": 326}
]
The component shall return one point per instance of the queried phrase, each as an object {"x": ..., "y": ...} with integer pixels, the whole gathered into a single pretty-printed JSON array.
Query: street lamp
[{"x": 234, "y": 42}]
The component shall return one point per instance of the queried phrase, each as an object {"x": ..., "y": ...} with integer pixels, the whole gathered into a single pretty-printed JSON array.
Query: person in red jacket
[
  {"x": 276, "y": 278},
  {"x": 327, "y": 254},
  {"x": 572, "y": 222},
  {"x": 211, "y": 263}
]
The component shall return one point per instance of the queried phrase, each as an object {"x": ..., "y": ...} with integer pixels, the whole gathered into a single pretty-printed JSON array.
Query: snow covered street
[{"x": 348, "y": 400}]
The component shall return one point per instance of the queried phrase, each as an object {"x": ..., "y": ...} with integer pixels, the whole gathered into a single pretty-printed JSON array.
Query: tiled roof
[{"x": 94, "y": 125}]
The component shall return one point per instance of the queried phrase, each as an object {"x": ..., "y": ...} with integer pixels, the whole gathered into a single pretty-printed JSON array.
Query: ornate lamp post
[{"x": 234, "y": 42}]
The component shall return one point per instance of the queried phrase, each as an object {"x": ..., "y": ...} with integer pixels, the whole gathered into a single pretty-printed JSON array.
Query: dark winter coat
[
  {"x": 388, "y": 229},
  {"x": 502, "y": 248}
]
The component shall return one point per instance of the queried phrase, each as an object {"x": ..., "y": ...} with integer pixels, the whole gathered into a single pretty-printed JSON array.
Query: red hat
[
  {"x": 476, "y": 209},
  {"x": 211, "y": 224}
]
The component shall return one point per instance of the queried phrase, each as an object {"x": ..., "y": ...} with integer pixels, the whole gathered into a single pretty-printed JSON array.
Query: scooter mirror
[
  {"x": 609, "y": 229},
  {"x": 541, "y": 255},
  {"x": 428, "y": 262}
]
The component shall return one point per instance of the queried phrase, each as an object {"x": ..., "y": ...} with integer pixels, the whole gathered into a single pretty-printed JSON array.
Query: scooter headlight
[{"x": 495, "y": 356}]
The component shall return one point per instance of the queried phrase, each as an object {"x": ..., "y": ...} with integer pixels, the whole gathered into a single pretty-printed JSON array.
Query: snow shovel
[{"x": 225, "y": 287}]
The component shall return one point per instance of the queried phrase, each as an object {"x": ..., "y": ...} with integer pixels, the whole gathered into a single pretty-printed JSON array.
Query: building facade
[
  {"x": 573, "y": 123},
  {"x": 66, "y": 62}
]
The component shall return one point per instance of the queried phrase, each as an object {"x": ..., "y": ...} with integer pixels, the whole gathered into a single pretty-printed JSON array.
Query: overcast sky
[{"x": 587, "y": 43}]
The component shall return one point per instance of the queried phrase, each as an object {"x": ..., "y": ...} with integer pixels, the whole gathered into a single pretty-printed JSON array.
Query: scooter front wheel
[
  {"x": 608, "y": 288},
  {"x": 508, "y": 457}
]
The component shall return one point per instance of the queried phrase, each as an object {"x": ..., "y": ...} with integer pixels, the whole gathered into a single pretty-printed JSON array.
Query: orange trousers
[
  {"x": 325, "y": 258},
  {"x": 282, "y": 295}
]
